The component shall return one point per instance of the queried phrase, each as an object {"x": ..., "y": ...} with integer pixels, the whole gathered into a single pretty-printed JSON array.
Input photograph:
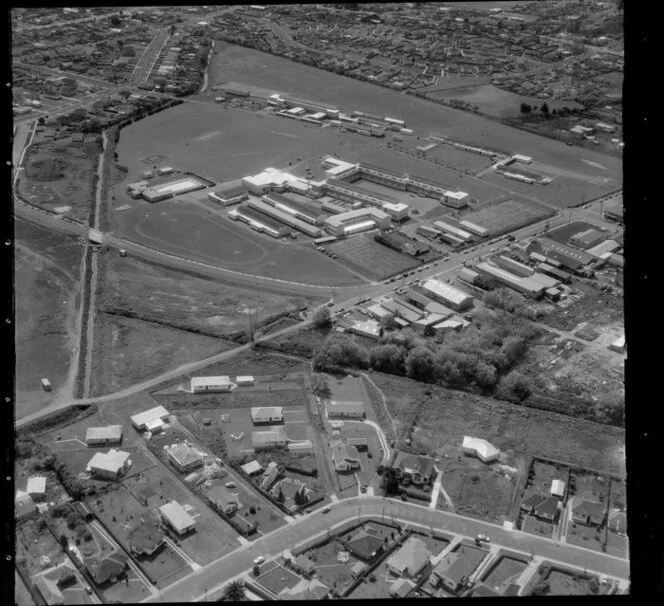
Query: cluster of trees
[
  {"x": 71, "y": 484},
  {"x": 480, "y": 358}
]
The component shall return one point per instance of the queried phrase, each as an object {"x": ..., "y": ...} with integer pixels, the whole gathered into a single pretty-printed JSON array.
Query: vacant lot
[
  {"x": 506, "y": 215},
  {"x": 128, "y": 351},
  {"x": 191, "y": 231},
  {"x": 60, "y": 174},
  {"x": 46, "y": 291},
  {"x": 562, "y": 582},
  {"x": 183, "y": 300},
  {"x": 241, "y": 65},
  {"x": 34, "y": 541},
  {"x": 363, "y": 254},
  {"x": 447, "y": 416}
]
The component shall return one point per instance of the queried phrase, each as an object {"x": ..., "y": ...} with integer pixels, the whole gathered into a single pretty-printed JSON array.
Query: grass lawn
[
  {"x": 585, "y": 536},
  {"x": 127, "y": 591},
  {"x": 540, "y": 527},
  {"x": 277, "y": 578},
  {"x": 506, "y": 216},
  {"x": 445, "y": 418},
  {"x": 127, "y": 351},
  {"x": 184, "y": 300},
  {"x": 33, "y": 543},
  {"x": 617, "y": 545},
  {"x": 504, "y": 572},
  {"x": 46, "y": 293},
  {"x": 562, "y": 583},
  {"x": 329, "y": 570}
]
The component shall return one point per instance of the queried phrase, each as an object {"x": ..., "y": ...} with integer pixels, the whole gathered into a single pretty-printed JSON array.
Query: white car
[
  {"x": 259, "y": 560},
  {"x": 230, "y": 484}
]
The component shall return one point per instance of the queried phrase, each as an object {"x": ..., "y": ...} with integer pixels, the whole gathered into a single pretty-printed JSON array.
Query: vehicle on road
[
  {"x": 325, "y": 509},
  {"x": 88, "y": 589},
  {"x": 259, "y": 560},
  {"x": 404, "y": 497},
  {"x": 482, "y": 538}
]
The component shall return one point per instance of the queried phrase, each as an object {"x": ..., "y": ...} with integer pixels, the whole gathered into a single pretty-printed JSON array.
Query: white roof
[
  {"x": 206, "y": 381},
  {"x": 522, "y": 158},
  {"x": 110, "y": 432},
  {"x": 177, "y": 516},
  {"x": 367, "y": 326},
  {"x": 252, "y": 467},
  {"x": 483, "y": 448},
  {"x": 36, "y": 485},
  {"x": 446, "y": 291},
  {"x": 142, "y": 418},
  {"x": 457, "y": 195},
  {"x": 266, "y": 411},
  {"x": 154, "y": 424},
  {"x": 112, "y": 461},
  {"x": 558, "y": 488},
  {"x": 244, "y": 378},
  {"x": 396, "y": 206},
  {"x": 620, "y": 342}
]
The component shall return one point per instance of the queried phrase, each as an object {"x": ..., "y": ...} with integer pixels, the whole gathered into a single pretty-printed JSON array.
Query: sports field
[
  {"x": 506, "y": 215},
  {"x": 363, "y": 254},
  {"x": 251, "y": 67},
  {"x": 190, "y": 231}
]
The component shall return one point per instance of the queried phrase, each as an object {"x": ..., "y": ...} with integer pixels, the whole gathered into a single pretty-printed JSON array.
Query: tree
[
  {"x": 235, "y": 591},
  {"x": 387, "y": 358},
  {"x": 515, "y": 386},
  {"x": 322, "y": 318},
  {"x": 320, "y": 386},
  {"x": 41, "y": 120},
  {"x": 486, "y": 375},
  {"x": 420, "y": 364},
  {"x": 593, "y": 585},
  {"x": 525, "y": 108},
  {"x": 544, "y": 109},
  {"x": 388, "y": 322},
  {"x": 124, "y": 93},
  {"x": 542, "y": 588}
]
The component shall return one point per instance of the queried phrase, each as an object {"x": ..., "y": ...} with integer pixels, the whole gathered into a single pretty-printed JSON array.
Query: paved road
[{"x": 215, "y": 574}]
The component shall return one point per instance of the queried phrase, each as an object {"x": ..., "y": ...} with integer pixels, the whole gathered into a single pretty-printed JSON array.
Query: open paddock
[
  {"x": 363, "y": 254},
  {"x": 506, "y": 215},
  {"x": 187, "y": 230}
]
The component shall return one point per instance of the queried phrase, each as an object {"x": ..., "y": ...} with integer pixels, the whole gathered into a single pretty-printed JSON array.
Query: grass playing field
[
  {"x": 506, "y": 215},
  {"x": 365, "y": 255}
]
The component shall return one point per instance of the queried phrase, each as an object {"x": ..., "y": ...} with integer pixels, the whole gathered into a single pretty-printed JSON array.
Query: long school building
[{"x": 285, "y": 217}]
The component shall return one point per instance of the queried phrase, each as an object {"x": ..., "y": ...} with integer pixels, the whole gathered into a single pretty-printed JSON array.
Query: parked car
[
  {"x": 230, "y": 484},
  {"x": 259, "y": 560},
  {"x": 325, "y": 509},
  {"x": 482, "y": 538}
]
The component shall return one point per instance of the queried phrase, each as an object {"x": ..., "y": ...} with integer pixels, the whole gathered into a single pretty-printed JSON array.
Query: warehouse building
[
  {"x": 300, "y": 211},
  {"x": 211, "y": 384},
  {"x": 474, "y": 228},
  {"x": 355, "y": 221},
  {"x": 286, "y": 217},
  {"x": 603, "y": 250},
  {"x": 96, "y": 436},
  {"x": 554, "y": 272},
  {"x": 332, "y": 208},
  {"x": 468, "y": 275},
  {"x": 446, "y": 228},
  {"x": 518, "y": 269},
  {"x": 587, "y": 238},
  {"x": 150, "y": 418},
  {"x": 526, "y": 286},
  {"x": 402, "y": 310},
  {"x": 448, "y": 295},
  {"x": 172, "y": 187},
  {"x": 547, "y": 281},
  {"x": 259, "y": 222},
  {"x": 569, "y": 257}
]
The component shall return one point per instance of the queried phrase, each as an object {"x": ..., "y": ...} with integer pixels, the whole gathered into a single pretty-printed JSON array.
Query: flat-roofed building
[
  {"x": 287, "y": 217},
  {"x": 366, "y": 328},
  {"x": 267, "y": 414},
  {"x": 345, "y": 409},
  {"x": 450, "y": 229},
  {"x": 211, "y": 384},
  {"x": 446, "y": 294},
  {"x": 587, "y": 238},
  {"x": 111, "y": 434},
  {"x": 482, "y": 449},
  {"x": 308, "y": 214},
  {"x": 110, "y": 465},
  {"x": 184, "y": 457},
  {"x": 244, "y": 380},
  {"x": 36, "y": 487},
  {"x": 156, "y": 414},
  {"x": 402, "y": 310},
  {"x": 547, "y": 281},
  {"x": 177, "y": 518},
  {"x": 514, "y": 267},
  {"x": 474, "y": 228},
  {"x": 455, "y": 199},
  {"x": 230, "y": 194},
  {"x": 259, "y": 221}
]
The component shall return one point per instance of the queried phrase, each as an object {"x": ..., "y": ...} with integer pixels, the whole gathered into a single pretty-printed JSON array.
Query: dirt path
[{"x": 382, "y": 395}]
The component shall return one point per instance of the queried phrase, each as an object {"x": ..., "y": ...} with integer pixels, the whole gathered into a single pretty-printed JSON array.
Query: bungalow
[
  {"x": 177, "y": 517},
  {"x": 223, "y": 500},
  {"x": 529, "y": 504},
  {"x": 345, "y": 457},
  {"x": 107, "y": 570},
  {"x": 359, "y": 443},
  {"x": 304, "y": 565},
  {"x": 146, "y": 538},
  {"x": 252, "y": 468},
  {"x": 270, "y": 476},
  {"x": 110, "y": 465},
  {"x": 411, "y": 558},
  {"x": 588, "y": 513},
  {"x": 548, "y": 509},
  {"x": 401, "y": 588},
  {"x": 157, "y": 415},
  {"x": 352, "y": 410},
  {"x": 267, "y": 414},
  {"x": 184, "y": 457},
  {"x": 366, "y": 544},
  {"x": 263, "y": 440},
  {"x": 111, "y": 434},
  {"x": 417, "y": 468},
  {"x": 293, "y": 491}
]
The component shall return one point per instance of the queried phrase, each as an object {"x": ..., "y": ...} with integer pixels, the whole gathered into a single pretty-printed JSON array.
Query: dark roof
[
  {"x": 422, "y": 465},
  {"x": 304, "y": 563},
  {"x": 364, "y": 544},
  {"x": 548, "y": 507},
  {"x": 532, "y": 501},
  {"x": 483, "y": 591},
  {"x": 112, "y": 565},
  {"x": 219, "y": 494},
  {"x": 513, "y": 589},
  {"x": 589, "y": 509},
  {"x": 145, "y": 538}
]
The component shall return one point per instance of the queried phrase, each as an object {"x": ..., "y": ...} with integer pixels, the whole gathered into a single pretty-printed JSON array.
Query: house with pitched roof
[
  {"x": 109, "y": 568},
  {"x": 365, "y": 544},
  {"x": 587, "y": 513},
  {"x": 417, "y": 468},
  {"x": 184, "y": 457},
  {"x": 146, "y": 538},
  {"x": 401, "y": 588},
  {"x": 347, "y": 410},
  {"x": 410, "y": 559},
  {"x": 177, "y": 517},
  {"x": 267, "y": 414},
  {"x": 548, "y": 509},
  {"x": 454, "y": 570},
  {"x": 345, "y": 457},
  {"x": 110, "y": 465},
  {"x": 223, "y": 500}
]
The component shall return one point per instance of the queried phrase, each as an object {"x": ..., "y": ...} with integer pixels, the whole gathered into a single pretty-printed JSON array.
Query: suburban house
[
  {"x": 477, "y": 447},
  {"x": 146, "y": 538},
  {"x": 359, "y": 443},
  {"x": 24, "y": 506},
  {"x": 618, "y": 522},
  {"x": 456, "y": 568},
  {"x": 110, "y": 465},
  {"x": 184, "y": 457},
  {"x": 294, "y": 492},
  {"x": 304, "y": 566},
  {"x": 151, "y": 420},
  {"x": 548, "y": 509},
  {"x": 401, "y": 588},
  {"x": 223, "y": 500},
  {"x": 264, "y": 440},
  {"x": 528, "y": 505},
  {"x": 177, "y": 517},
  {"x": 267, "y": 414},
  {"x": 252, "y": 468},
  {"x": 211, "y": 384},
  {"x": 366, "y": 544},
  {"x": 109, "y": 568},
  {"x": 148, "y": 497},
  {"x": 587, "y": 513},
  {"x": 306, "y": 589},
  {"x": 36, "y": 487},
  {"x": 417, "y": 468},
  {"x": 410, "y": 559},
  {"x": 345, "y": 457},
  {"x": 345, "y": 410},
  {"x": 100, "y": 436},
  {"x": 270, "y": 476},
  {"x": 558, "y": 489},
  {"x": 357, "y": 569}
]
